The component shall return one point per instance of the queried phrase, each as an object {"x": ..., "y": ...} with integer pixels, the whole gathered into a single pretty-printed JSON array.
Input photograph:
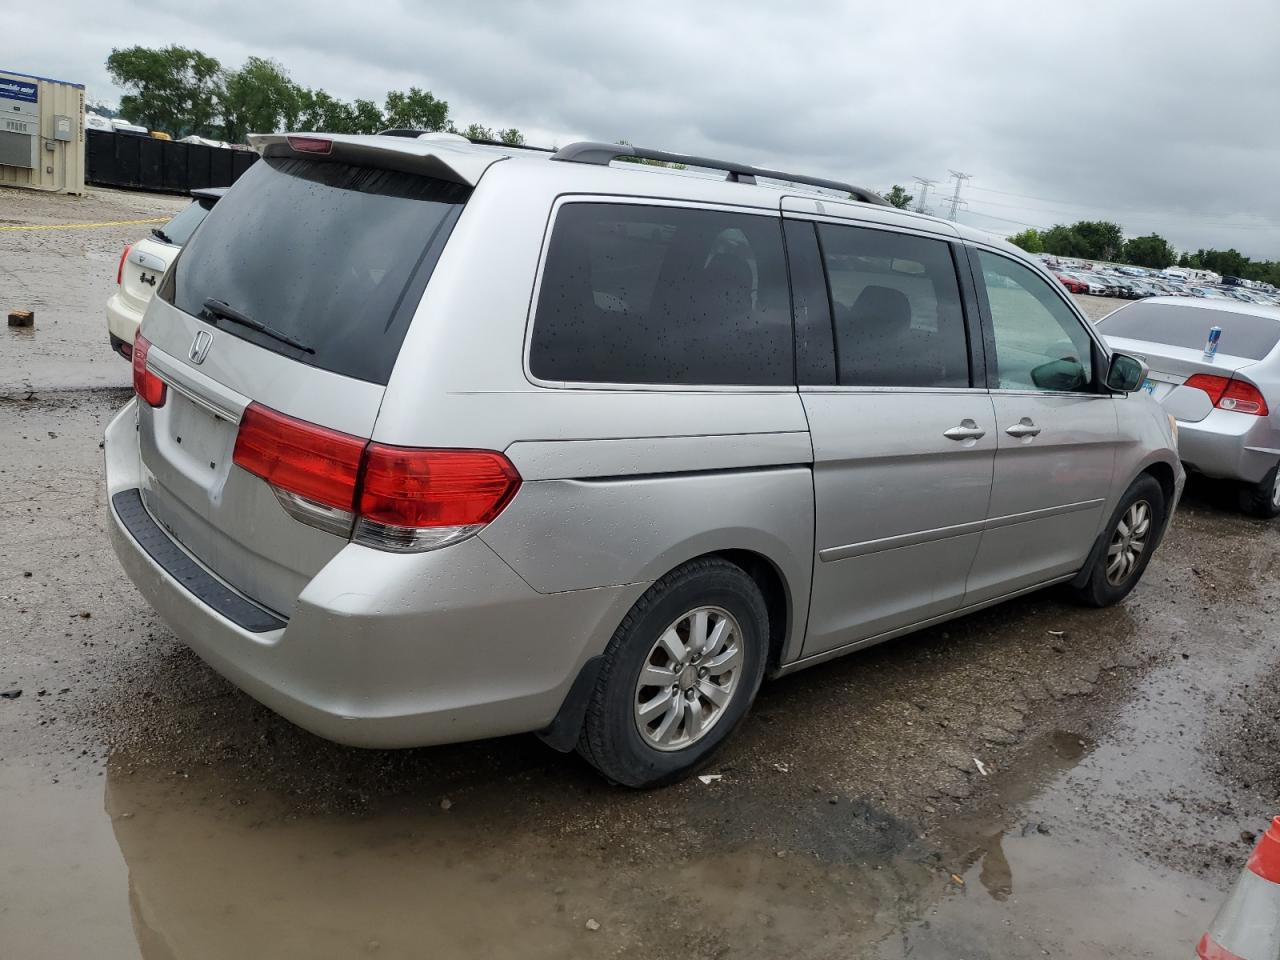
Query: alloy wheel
[
  {"x": 1128, "y": 542},
  {"x": 688, "y": 678}
]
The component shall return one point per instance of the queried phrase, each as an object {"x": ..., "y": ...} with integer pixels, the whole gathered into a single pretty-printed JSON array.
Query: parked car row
[{"x": 1137, "y": 283}]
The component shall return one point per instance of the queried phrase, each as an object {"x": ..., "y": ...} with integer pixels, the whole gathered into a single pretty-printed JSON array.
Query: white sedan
[{"x": 143, "y": 264}]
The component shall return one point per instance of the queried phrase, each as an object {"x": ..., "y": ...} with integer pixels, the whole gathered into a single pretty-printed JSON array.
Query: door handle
[
  {"x": 1024, "y": 429},
  {"x": 968, "y": 430}
]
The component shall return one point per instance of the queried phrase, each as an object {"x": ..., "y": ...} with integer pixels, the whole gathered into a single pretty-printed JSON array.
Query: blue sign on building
[{"x": 24, "y": 90}]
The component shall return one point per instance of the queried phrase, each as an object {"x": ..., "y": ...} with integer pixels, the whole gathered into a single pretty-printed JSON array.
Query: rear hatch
[
  {"x": 293, "y": 298},
  {"x": 1171, "y": 339}
]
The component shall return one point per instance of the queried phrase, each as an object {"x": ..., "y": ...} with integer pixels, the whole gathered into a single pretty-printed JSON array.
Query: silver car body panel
[{"x": 873, "y": 522}]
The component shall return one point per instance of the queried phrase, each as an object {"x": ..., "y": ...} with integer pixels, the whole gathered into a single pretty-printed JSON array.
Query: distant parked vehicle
[
  {"x": 124, "y": 126},
  {"x": 1094, "y": 285},
  {"x": 1071, "y": 283},
  {"x": 1227, "y": 406},
  {"x": 143, "y": 264}
]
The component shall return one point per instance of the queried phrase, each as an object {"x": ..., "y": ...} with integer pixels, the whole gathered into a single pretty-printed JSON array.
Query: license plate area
[{"x": 197, "y": 442}]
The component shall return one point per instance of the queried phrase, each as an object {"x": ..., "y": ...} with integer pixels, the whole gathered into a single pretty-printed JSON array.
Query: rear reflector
[
  {"x": 410, "y": 499},
  {"x": 310, "y": 144},
  {"x": 313, "y": 462},
  {"x": 145, "y": 383},
  {"x": 1239, "y": 396}
]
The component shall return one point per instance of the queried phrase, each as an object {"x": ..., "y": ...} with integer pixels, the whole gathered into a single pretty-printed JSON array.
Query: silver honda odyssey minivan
[{"x": 436, "y": 441}]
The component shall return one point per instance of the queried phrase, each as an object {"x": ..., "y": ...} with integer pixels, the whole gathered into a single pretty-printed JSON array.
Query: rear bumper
[
  {"x": 1228, "y": 445},
  {"x": 388, "y": 650},
  {"x": 123, "y": 319}
]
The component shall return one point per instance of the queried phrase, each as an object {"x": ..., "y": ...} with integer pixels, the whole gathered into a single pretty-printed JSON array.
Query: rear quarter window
[
  {"x": 637, "y": 294},
  {"x": 332, "y": 255}
]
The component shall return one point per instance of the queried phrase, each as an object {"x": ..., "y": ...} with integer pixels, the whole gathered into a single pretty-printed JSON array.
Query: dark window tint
[
  {"x": 178, "y": 230},
  {"x": 328, "y": 254},
  {"x": 896, "y": 309},
  {"x": 1244, "y": 335},
  {"x": 640, "y": 294},
  {"x": 1040, "y": 343}
]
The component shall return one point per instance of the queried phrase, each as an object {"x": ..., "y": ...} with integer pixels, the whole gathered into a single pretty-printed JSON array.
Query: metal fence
[{"x": 144, "y": 163}]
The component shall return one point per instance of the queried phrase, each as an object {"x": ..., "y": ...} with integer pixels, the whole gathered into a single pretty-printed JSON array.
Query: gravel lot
[{"x": 161, "y": 813}]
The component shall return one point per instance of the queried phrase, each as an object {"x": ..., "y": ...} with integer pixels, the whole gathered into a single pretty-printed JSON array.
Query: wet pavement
[
  {"x": 65, "y": 276},
  {"x": 1034, "y": 780}
]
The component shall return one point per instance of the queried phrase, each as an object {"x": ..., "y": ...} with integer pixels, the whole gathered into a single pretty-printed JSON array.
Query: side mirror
[{"x": 1126, "y": 373}]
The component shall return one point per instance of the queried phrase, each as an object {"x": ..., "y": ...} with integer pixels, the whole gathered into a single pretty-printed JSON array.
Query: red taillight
[
  {"x": 406, "y": 487},
  {"x": 120, "y": 266},
  {"x": 145, "y": 383},
  {"x": 409, "y": 498},
  {"x": 1224, "y": 393},
  {"x": 313, "y": 462},
  {"x": 310, "y": 144}
]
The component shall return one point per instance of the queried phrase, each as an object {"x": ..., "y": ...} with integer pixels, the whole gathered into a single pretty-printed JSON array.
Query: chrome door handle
[
  {"x": 968, "y": 430},
  {"x": 1023, "y": 429}
]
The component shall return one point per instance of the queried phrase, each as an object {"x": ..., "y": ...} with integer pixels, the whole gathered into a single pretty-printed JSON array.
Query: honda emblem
[{"x": 200, "y": 346}]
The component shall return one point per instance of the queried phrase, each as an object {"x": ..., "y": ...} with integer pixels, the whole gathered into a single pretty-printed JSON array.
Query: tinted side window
[
  {"x": 647, "y": 294},
  {"x": 1039, "y": 342},
  {"x": 896, "y": 307}
]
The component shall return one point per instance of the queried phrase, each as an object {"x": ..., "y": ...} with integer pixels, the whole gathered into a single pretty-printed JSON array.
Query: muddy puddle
[{"x": 172, "y": 864}]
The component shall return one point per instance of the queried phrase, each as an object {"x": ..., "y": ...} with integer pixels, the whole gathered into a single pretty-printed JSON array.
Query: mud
[{"x": 1037, "y": 779}]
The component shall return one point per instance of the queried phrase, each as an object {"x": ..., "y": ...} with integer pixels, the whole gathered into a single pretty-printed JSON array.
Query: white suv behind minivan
[{"x": 436, "y": 441}]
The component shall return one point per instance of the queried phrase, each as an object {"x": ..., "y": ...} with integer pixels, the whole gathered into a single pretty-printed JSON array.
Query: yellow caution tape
[{"x": 73, "y": 226}]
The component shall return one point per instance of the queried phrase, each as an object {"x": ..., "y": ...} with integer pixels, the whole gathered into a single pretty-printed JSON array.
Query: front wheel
[
  {"x": 679, "y": 675},
  {"x": 1262, "y": 499},
  {"x": 1130, "y": 538}
]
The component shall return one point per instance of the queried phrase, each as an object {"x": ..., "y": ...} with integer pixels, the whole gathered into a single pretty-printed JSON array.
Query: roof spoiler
[{"x": 429, "y": 158}]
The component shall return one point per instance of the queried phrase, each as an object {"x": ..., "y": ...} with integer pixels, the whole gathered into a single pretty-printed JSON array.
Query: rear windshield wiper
[
  {"x": 162, "y": 236},
  {"x": 216, "y": 309}
]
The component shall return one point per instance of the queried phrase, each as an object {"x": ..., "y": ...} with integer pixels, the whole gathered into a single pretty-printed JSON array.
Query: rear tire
[
  {"x": 1262, "y": 499},
  {"x": 1130, "y": 539},
  {"x": 642, "y": 734}
]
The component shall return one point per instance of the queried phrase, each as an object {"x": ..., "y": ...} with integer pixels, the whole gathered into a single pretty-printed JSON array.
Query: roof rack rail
[{"x": 602, "y": 154}]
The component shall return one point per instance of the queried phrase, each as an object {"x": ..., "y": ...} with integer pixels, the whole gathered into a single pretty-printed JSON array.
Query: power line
[
  {"x": 955, "y": 197},
  {"x": 1134, "y": 212}
]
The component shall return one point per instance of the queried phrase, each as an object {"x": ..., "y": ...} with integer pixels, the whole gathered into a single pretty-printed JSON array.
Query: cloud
[{"x": 1153, "y": 114}]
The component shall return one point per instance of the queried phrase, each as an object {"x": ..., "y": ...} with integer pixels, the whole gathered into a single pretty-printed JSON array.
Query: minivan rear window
[
  {"x": 636, "y": 294},
  {"x": 329, "y": 255},
  {"x": 1244, "y": 335}
]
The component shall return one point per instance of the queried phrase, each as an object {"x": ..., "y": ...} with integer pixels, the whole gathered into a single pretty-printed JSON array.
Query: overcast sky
[{"x": 1158, "y": 115}]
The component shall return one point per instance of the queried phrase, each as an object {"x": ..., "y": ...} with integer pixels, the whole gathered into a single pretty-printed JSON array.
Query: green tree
[
  {"x": 1152, "y": 250},
  {"x": 478, "y": 131},
  {"x": 1063, "y": 241},
  {"x": 511, "y": 136},
  {"x": 415, "y": 110},
  {"x": 1102, "y": 239},
  {"x": 257, "y": 98},
  {"x": 1229, "y": 263},
  {"x": 367, "y": 117},
  {"x": 174, "y": 89},
  {"x": 1029, "y": 240},
  {"x": 898, "y": 197}
]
